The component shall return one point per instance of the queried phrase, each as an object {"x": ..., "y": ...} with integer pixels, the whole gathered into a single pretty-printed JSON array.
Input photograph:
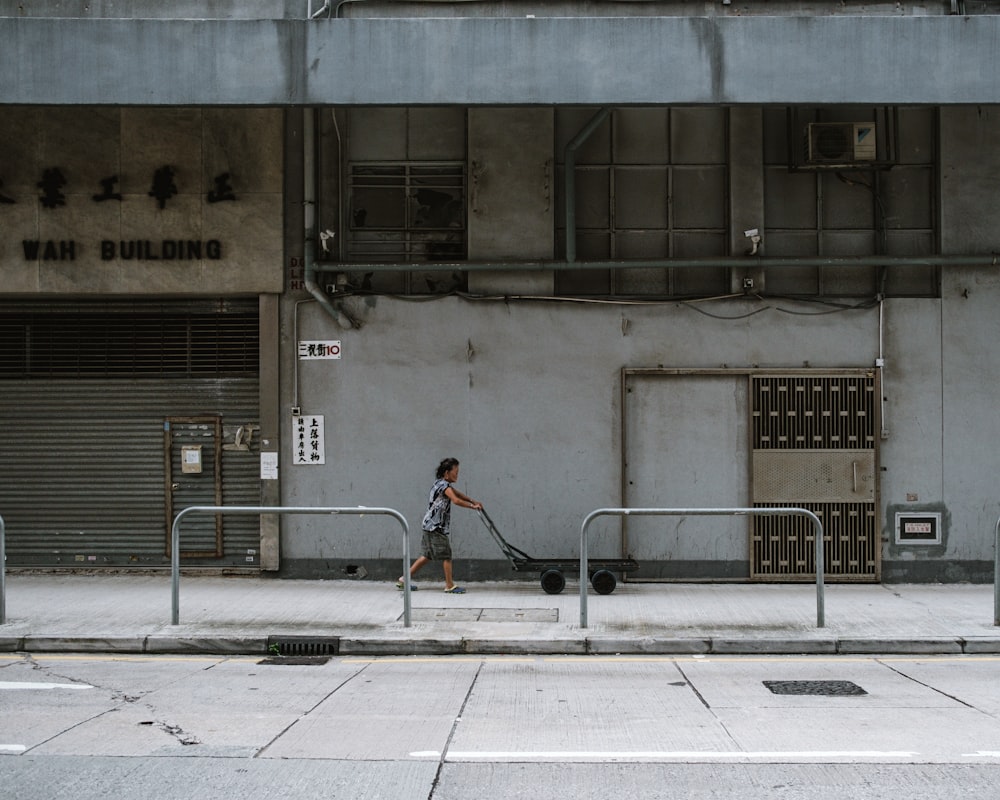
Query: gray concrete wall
[
  {"x": 940, "y": 454},
  {"x": 970, "y": 430},
  {"x": 742, "y": 60},
  {"x": 300, "y": 9},
  {"x": 511, "y": 195},
  {"x": 970, "y": 207},
  {"x": 527, "y": 396}
]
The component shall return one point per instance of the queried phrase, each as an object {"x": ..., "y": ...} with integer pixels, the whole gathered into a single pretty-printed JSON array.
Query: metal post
[
  {"x": 3, "y": 573},
  {"x": 996, "y": 573},
  {"x": 175, "y": 541},
  {"x": 625, "y": 512}
]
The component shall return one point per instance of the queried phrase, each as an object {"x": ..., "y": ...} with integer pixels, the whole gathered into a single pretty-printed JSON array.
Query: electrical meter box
[
  {"x": 918, "y": 527},
  {"x": 191, "y": 458}
]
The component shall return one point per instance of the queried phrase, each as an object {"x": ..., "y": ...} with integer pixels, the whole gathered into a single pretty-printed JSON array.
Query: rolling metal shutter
[{"x": 84, "y": 398}]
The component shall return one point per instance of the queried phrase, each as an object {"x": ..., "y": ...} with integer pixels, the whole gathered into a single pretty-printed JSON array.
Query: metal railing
[
  {"x": 683, "y": 512},
  {"x": 175, "y": 541},
  {"x": 3, "y": 573}
]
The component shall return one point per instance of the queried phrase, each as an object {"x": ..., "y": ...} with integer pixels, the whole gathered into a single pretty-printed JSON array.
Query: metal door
[
  {"x": 193, "y": 469},
  {"x": 814, "y": 446},
  {"x": 682, "y": 436}
]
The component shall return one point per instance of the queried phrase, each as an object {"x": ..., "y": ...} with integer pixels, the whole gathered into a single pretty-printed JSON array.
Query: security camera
[{"x": 324, "y": 239}]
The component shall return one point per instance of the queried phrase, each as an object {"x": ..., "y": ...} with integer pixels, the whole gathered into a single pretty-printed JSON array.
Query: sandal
[
  {"x": 400, "y": 585},
  {"x": 455, "y": 590}
]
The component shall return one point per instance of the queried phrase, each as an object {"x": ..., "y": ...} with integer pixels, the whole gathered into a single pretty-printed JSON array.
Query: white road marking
[
  {"x": 16, "y": 685},
  {"x": 658, "y": 755},
  {"x": 12, "y": 748},
  {"x": 982, "y": 754}
]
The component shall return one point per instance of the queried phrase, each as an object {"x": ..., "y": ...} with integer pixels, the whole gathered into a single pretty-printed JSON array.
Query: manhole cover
[
  {"x": 822, "y": 688},
  {"x": 485, "y": 614},
  {"x": 446, "y": 614},
  {"x": 520, "y": 615}
]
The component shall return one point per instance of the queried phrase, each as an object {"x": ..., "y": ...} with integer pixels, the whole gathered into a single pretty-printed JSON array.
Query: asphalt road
[{"x": 454, "y": 728}]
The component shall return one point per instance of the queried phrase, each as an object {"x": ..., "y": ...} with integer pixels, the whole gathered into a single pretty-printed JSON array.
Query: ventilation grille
[
  {"x": 134, "y": 344},
  {"x": 821, "y": 413},
  {"x": 785, "y": 547}
]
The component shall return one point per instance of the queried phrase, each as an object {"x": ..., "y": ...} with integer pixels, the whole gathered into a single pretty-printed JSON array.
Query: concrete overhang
[{"x": 933, "y": 60}]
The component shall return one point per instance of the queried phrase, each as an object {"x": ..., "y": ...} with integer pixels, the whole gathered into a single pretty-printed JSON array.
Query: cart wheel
[
  {"x": 603, "y": 581},
  {"x": 553, "y": 581}
]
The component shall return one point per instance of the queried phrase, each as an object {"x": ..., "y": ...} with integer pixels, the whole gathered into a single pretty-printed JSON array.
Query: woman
[{"x": 436, "y": 525}]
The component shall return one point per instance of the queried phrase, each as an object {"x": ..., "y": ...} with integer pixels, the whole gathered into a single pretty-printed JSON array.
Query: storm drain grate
[
  {"x": 821, "y": 688},
  {"x": 303, "y": 645}
]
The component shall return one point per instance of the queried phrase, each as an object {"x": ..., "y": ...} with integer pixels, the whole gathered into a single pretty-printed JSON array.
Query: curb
[
  {"x": 932, "y": 646},
  {"x": 667, "y": 646}
]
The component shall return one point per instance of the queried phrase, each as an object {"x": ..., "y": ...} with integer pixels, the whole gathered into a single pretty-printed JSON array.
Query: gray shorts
[{"x": 436, "y": 546}]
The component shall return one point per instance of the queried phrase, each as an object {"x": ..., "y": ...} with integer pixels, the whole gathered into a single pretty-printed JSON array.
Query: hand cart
[{"x": 602, "y": 570}]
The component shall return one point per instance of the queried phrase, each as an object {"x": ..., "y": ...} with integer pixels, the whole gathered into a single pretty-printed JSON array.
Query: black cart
[{"x": 602, "y": 570}]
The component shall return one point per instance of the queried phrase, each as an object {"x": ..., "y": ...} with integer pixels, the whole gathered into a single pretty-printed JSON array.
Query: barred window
[{"x": 409, "y": 212}]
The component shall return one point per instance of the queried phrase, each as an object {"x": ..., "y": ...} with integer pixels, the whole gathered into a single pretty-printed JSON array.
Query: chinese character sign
[
  {"x": 308, "y": 440},
  {"x": 163, "y": 188},
  {"x": 316, "y": 350}
]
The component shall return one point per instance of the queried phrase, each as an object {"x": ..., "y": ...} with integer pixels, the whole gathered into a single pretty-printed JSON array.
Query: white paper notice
[
  {"x": 309, "y": 440},
  {"x": 269, "y": 466}
]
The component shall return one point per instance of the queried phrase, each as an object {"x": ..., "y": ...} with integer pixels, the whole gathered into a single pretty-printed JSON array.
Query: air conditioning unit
[{"x": 840, "y": 142}]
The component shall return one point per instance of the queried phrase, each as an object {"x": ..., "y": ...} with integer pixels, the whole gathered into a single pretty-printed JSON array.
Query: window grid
[
  {"x": 407, "y": 212},
  {"x": 608, "y": 228}
]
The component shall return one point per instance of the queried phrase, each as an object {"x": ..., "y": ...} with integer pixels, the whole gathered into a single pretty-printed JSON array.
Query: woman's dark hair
[{"x": 446, "y": 466}]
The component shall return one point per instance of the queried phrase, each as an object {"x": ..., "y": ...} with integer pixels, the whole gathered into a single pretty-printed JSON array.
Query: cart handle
[{"x": 508, "y": 549}]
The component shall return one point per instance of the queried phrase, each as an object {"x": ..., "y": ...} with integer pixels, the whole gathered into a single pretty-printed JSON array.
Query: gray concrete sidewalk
[{"x": 126, "y": 613}]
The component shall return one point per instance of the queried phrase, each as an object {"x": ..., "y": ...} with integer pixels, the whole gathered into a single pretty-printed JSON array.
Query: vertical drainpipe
[
  {"x": 569, "y": 160},
  {"x": 309, "y": 216}
]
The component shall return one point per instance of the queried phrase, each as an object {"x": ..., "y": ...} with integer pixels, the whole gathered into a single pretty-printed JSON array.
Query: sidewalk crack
[
  {"x": 451, "y": 734},
  {"x": 309, "y": 710}
]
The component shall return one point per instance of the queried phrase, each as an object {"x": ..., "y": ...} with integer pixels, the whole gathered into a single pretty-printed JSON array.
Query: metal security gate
[
  {"x": 86, "y": 399},
  {"x": 814, "y": 446}
]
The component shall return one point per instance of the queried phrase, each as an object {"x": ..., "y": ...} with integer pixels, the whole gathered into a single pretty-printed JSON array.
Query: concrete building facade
[{"x": 678, "y": 255}]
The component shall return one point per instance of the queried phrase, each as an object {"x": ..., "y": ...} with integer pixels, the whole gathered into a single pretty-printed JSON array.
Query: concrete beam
[{"x": 937, "y": 60}]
